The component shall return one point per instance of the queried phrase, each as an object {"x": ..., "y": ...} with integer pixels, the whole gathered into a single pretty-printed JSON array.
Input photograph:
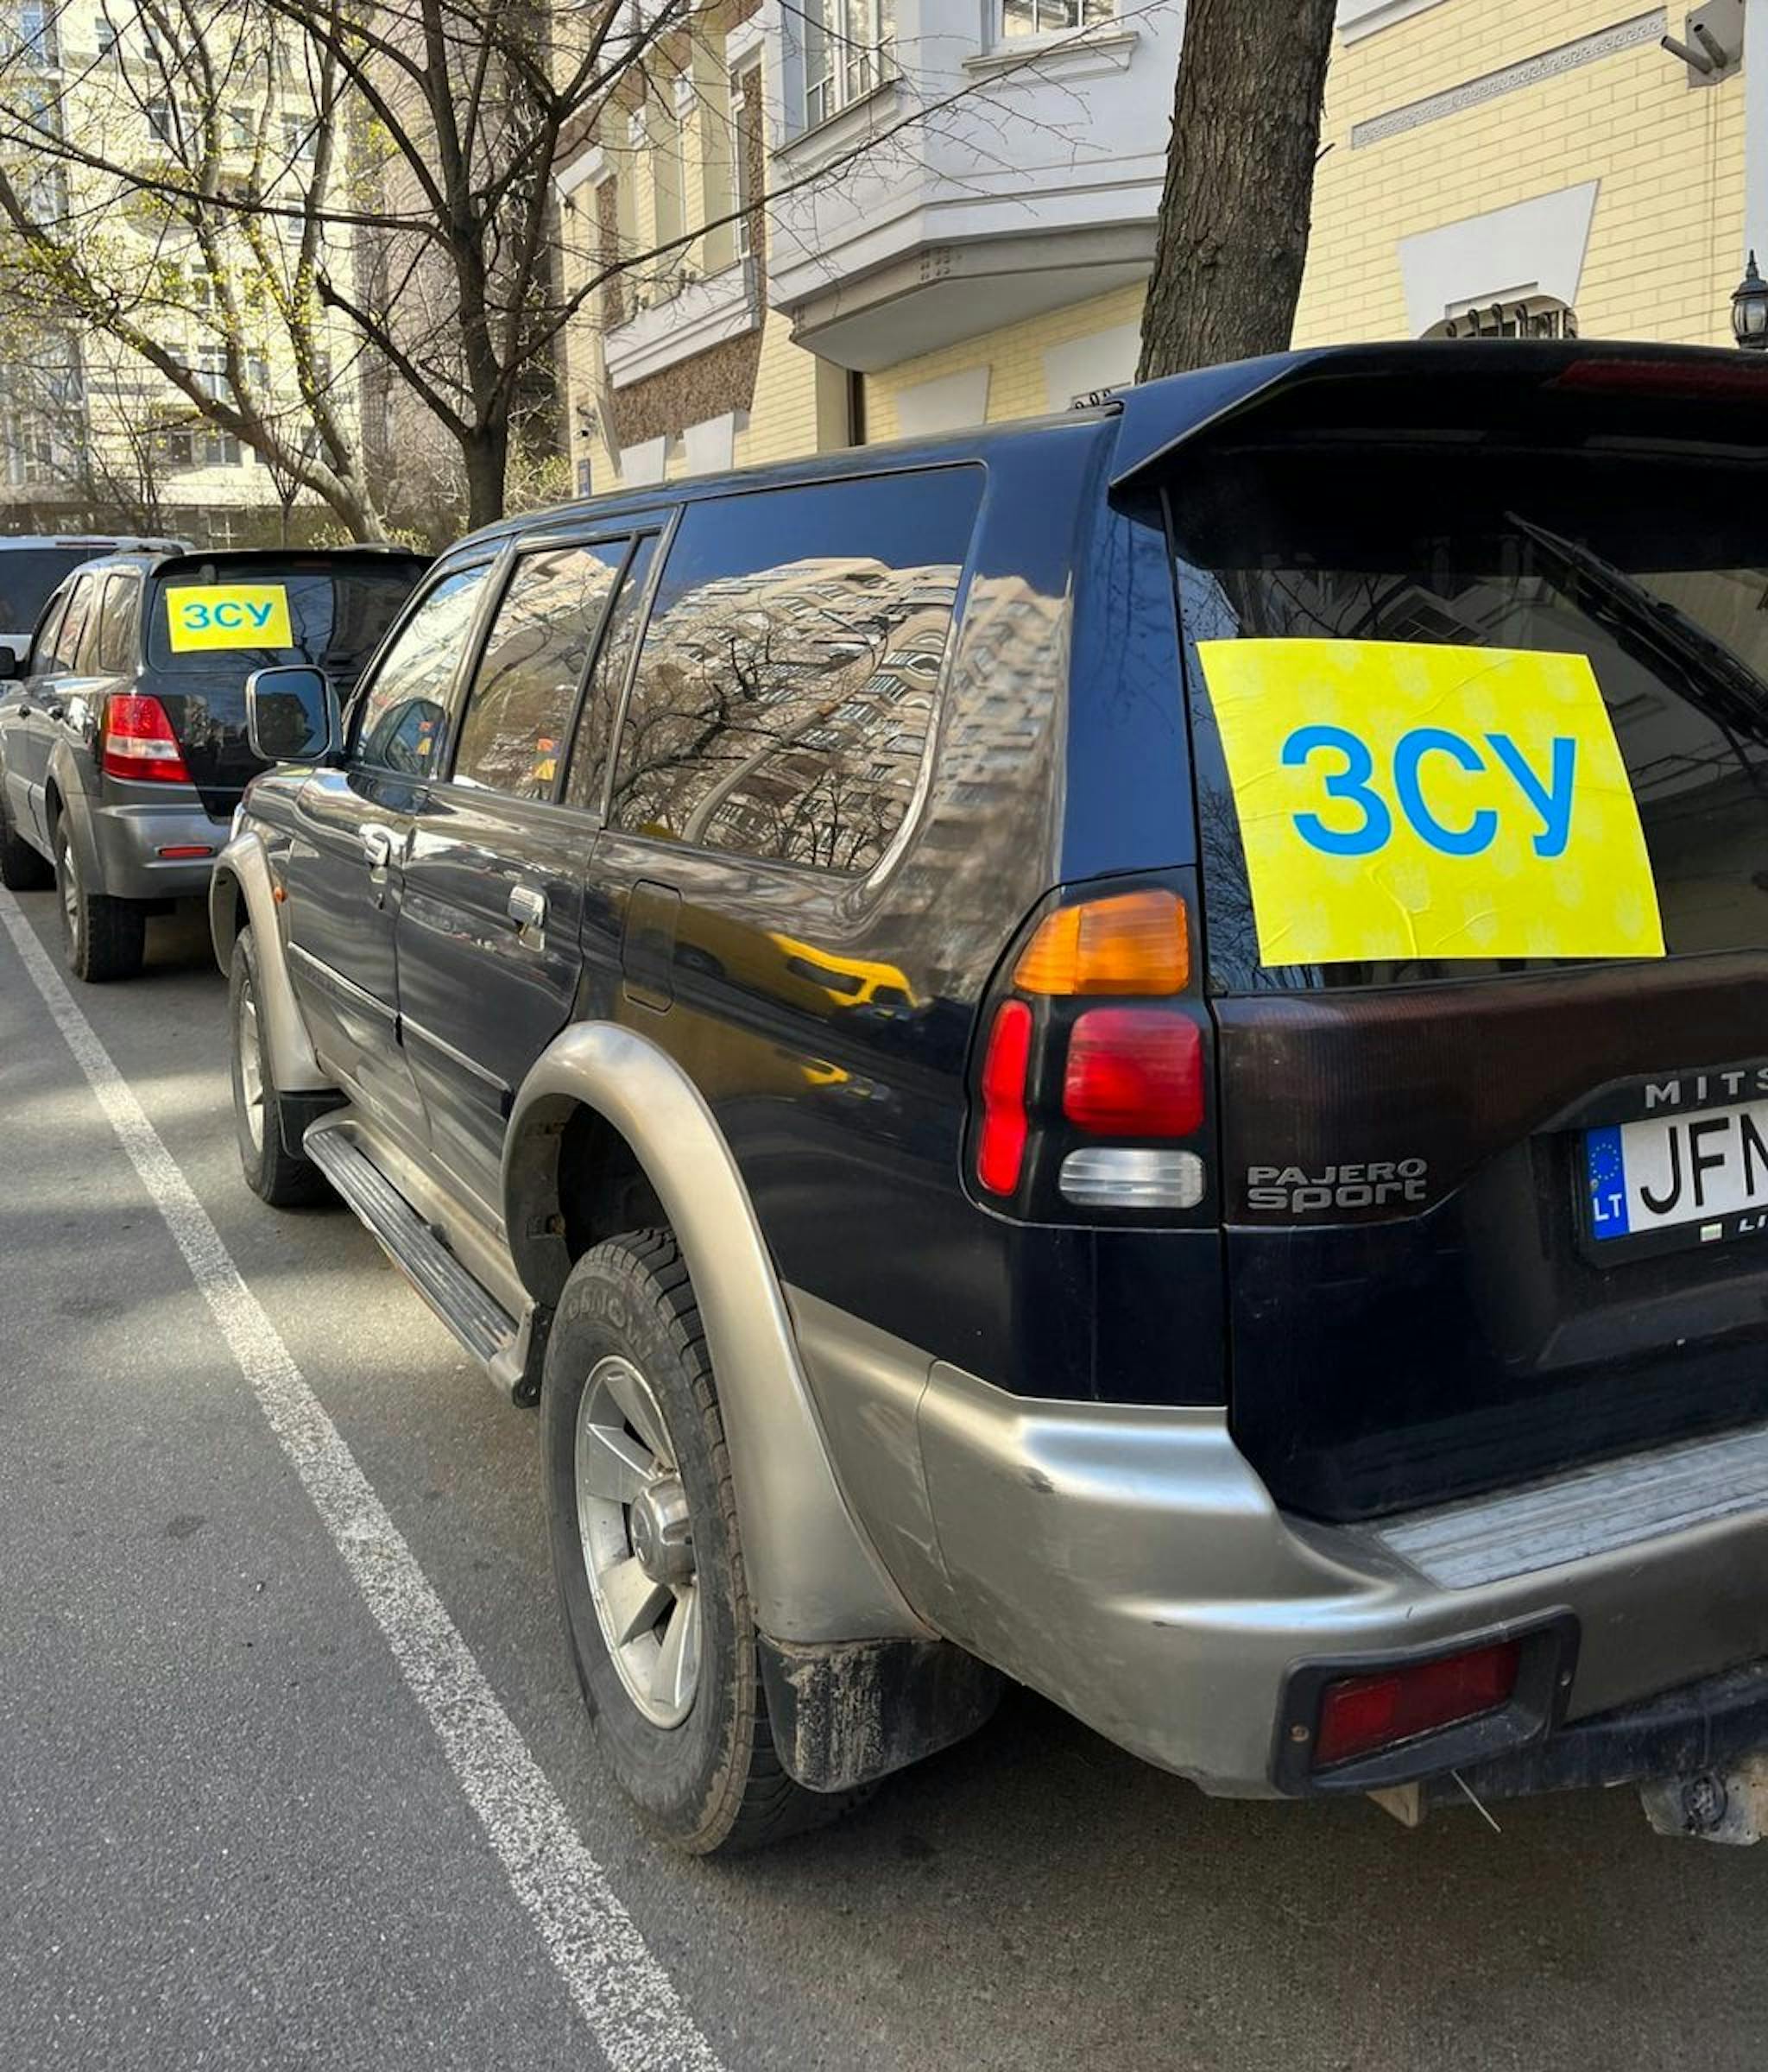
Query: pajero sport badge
[{"x": 1377, "y": 1184}]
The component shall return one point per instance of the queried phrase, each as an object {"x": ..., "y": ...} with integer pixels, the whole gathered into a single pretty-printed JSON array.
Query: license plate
[{"x": 1702, "y": 1177}]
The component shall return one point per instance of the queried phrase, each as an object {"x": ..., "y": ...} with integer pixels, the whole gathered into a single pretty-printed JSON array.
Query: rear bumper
[
  {"x": 1129, "y": 1562},
  {"x": 1696, "y": 1728},
  {"x": 129, "y": 839}
]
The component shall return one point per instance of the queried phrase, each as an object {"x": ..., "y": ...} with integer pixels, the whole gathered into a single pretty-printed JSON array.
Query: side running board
[{"x": 482, "y": 1326}]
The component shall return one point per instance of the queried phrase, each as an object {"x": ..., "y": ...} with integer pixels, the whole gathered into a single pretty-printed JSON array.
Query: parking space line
[{"x": 620, "y": 1990}]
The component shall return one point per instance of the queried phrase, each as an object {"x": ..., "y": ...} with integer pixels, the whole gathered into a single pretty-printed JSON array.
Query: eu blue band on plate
[{"x": 1608, "y": 1176}]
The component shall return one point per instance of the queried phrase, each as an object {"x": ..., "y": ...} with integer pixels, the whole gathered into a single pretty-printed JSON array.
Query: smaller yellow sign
[
  {"x": 1403, "y": 800},
  {"x": 227, "y": 614}
]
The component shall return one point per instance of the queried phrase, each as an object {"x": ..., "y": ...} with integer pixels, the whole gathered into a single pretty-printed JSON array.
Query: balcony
[
  {"x": 963, "y": 182},
  {"x": 699, "y": 313}
]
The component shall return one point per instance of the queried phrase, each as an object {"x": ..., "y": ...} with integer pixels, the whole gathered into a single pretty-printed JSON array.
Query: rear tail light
[
  {"x": 1110, "y": 1176},
  {"x": 1001, "y": 1143},
  {"x": 138, "y": 741},
  {"x": 1133, "y": 945},
  {"x": 1077, "y": 1096},
  {"x": 1135, "y": 1072},
  {"x": 1362, "y": 1714}
]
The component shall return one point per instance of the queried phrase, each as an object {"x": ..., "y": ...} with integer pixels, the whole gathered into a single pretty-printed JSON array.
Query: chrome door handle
[
  {"x": 377, "y": 844},
  {"x": 526, "y": 908}
]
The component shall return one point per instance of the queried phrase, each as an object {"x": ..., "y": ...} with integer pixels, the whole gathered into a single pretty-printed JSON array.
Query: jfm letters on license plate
[{"x": 1709, "y": 1169}]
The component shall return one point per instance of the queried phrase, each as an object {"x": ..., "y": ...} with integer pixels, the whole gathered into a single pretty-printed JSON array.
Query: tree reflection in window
[
  {"x": 785, "y": 690},
  {"x": 399, "y": 721},
  {"x": 526, "y": 682}
]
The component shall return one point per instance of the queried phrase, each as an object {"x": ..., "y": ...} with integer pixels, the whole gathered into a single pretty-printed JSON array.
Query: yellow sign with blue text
[
  {"x": 227, "y": 615},
  {"x": 1401, "y": 800}
]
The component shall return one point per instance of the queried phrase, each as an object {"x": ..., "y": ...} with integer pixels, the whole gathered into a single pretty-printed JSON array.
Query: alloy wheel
[
  {"x": 251, "y": 1066},
  {"x": 638, "y": 1545},
  {"x": 69, "y": 897}
]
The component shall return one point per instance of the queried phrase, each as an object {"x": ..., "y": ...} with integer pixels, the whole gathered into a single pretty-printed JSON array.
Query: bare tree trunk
[
  {"x": 485, "y": 450},
  {"x": 1240, "y": 177}
]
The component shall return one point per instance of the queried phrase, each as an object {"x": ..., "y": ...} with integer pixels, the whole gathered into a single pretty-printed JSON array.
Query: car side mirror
[
  {"x": 11, "y": 665},
  {"x": 291, "y": 714}
]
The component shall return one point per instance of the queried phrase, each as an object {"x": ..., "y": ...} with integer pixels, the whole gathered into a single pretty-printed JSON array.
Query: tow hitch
[{"x": 1712, "y": 1805}]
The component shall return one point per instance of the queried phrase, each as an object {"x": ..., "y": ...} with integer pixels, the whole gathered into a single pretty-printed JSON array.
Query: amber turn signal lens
[{"x": 1134, "y": 944}]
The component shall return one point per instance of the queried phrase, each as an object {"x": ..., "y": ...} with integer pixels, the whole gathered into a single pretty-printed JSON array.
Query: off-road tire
[
  {"x": 283, "y": 1178},
  {"x": 103, "y": 938},
  {"x": 22, "y": 869},
  {"x": 713, "y": 1783}
]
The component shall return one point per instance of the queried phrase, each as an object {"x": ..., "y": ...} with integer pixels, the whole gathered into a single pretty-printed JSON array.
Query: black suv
[
  {"x": 1130, "y": 1051},
  {"x": 123, "y": 748}
]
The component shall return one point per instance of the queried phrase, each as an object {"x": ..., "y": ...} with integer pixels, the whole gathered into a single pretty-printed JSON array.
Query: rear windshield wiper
[{"x": 1736, "y": 695}]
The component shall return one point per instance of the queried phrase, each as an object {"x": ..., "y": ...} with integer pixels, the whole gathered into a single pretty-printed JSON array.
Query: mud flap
[{"x": 843, "y": 1714}]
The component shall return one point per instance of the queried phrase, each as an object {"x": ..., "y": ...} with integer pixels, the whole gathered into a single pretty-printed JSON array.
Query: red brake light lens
[
  {"x": 139, "y": 741},
  {"x": 1135, "y": 1072},
  {"x": 1000, "y": 1144},
  {"x": 1359, "y": 1715}
]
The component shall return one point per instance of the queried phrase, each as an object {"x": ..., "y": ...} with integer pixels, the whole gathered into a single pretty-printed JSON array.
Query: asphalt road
[{"x": 231, "y": 1834}]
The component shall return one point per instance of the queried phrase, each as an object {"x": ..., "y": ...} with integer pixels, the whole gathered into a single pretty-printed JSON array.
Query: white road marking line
[{"x": 620, "y": 1990}]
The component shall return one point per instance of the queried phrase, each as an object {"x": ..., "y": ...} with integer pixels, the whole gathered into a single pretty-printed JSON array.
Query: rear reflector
[
  {"x": 185, "y": 852},
  {"x": 139, "y": 741},
  {"x": 1137, "y": 942},
  {"x": 1001, "y": 1145},
  {"x": 1359, "y": 1715},
  {"x": 1106, "y": 1176},
  {"x": 1135, "y": 1072}
]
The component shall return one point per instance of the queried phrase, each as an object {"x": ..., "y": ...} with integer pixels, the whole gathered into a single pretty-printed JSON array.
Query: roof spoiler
[{"x": 1565, "y": 391}]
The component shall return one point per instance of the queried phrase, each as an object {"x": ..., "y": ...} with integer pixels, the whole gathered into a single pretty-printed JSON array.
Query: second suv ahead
[
  {"x": 123, "y": 747},
  {"x": 1128, "y": 1051}
]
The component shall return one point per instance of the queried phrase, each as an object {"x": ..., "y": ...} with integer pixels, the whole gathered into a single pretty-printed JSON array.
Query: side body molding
[
  {"x": 243, "y": 871},
  {"x": 813, "y": 1575}
]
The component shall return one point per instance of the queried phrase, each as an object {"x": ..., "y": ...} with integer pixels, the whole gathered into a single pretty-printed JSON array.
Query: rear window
[
  {"x": 1371, "y": 575},
  {"x": 28, "y": 575},
  {"x": 220, "y": 619}
]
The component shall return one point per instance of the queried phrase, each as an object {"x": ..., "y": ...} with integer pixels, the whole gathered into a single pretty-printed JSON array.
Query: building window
[
  {"x": 1052, "y": 18},
  {"x": 106, "y": 34},
  {"x": 847, "y": 54},
  {"x": 242, "y": 127},
  {"x": 32, "y": 452},
  {"x": 745, "y": 145},
  {"x": 668, "y": 175},
  {"x": 1531, "y": 316},
  {"x": 30, "y": 33},
  {"x": 211, "y": 371},
  {"x": 297, "y": 138},
  {"x": 163, "y": 124}
]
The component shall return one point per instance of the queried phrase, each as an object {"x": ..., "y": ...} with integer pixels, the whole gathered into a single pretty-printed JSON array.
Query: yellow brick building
[
  {"x": 1543, "y": 166},
  {"x": 1535, "y": 164}
]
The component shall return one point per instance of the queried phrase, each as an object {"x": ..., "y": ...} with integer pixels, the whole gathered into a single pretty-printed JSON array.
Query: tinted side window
[
  {"x": 116, "y": 625},
  {"x": 43, "y": 646},
  {"x": 70, "y": 637},
  {"x": 588, "y": 774},
  {"x": 403, "y": 716},
  {"x": 525, "y": 685},
  {"x": 785, "y": 689}
]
